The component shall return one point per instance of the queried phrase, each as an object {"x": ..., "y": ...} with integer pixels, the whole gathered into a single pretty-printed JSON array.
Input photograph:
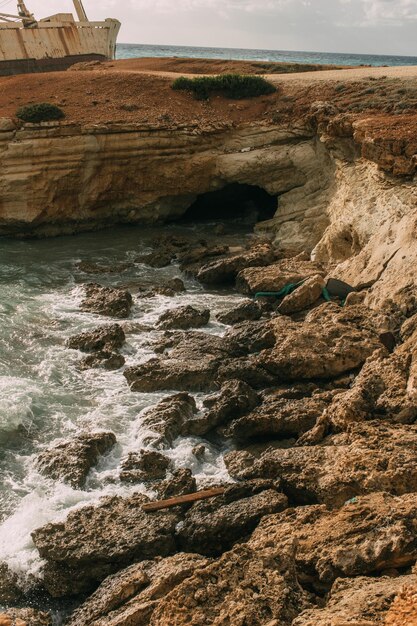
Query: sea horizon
[{"x": 132, "y": 50}]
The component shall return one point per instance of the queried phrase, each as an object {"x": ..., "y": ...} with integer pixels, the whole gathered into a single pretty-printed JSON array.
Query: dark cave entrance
[{"x": 234, "y": 201}]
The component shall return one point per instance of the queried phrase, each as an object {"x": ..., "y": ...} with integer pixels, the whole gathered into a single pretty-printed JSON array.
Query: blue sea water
[{"x": 129, "y": 51}]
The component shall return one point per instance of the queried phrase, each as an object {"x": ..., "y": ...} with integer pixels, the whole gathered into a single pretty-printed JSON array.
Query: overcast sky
[{"x": 367, "y": 26}]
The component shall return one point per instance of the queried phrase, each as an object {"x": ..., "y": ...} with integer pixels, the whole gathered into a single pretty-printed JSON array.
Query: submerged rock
[
  {"x": 107, "y": 301},
  {"x": 246, "y": 311},
  {"x": 96, "y": 541},
  {"x": 183, "y": 318},
  {"x": 145, "y": 466},
  {"x": 132, "y": 595},
  {"x": 71, "y": 461},
  {"x": 107, "y": 360},
  {"x": 94, "y": 268}
]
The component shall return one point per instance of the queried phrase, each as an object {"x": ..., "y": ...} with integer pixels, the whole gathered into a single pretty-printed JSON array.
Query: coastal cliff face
[{"x": 337, "y": 195}]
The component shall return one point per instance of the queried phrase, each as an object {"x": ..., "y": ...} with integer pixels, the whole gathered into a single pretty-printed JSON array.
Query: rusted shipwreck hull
[{"x": 53, "y": 43}]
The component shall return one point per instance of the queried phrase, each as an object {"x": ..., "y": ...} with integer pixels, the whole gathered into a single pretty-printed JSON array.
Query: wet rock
[
  {"x": 255, "y": 583},
  {"x": 304, "y": 296},
  {"x": 181, "y": 483},
  {"x": 371, "y": 457},
  {"x": 108, "y": 360},
  {"x": 71, "y": 461},
  {"x": 145, "y": 466},
  {"x": 132, "y": 595},
  {"x": 96, "y": 541},
  {"x": 105, "y": 338},
  {"x": 183, "y": 318},
  {"x": 107, "y": 301},
  {"x": 199, "y": 452},
  {"x": 192, "y": 259},
  {"x": 170, "y": 288},
  {"x": 246, "y": 311},
  {"x": 250, "y": 337},
  {"x": 235, "y": 399},
  {"x": 168, "y": 418},
  {"x": 324, "y": 346},
  {"x": 212, "y": 527},
  {"x": 25, "y": 617},
  {"x": 190, "y": 363},
  {"x": 9, "y": 586},
  {"x": 225, "y": 270},
  {"x": 158, "y": 258},
  {"x": 358, "y": 601},
  {"x": 94, "y": 268},
  {"x": 279, "y": 417},
  {"x": 273, "y": 278}
]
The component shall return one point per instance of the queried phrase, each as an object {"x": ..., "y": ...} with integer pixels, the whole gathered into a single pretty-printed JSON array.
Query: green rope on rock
[{"x": 285, "y": 291}]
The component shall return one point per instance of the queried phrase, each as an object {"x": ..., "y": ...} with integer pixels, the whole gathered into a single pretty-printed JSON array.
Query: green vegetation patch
[
  {"x": 42, "y": 112},
  {"x": 234, "y": 86}
]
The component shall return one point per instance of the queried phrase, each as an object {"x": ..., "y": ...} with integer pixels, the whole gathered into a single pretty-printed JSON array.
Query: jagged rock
[
  {"x": 131, "y": 596},
  {"x": 212, "y": 527},
  {"x": 105, "y": 359},
  {"x": 255, "y": 583},
  {"x": 190, "y": 365},
  {"x": 358, "y": 601},
  {"x": 10, "y": 591},
  {"x": 403, "y": 611},
  {"x": 25, "y": 617},
  {"x": 226, "y": 269},
  {"x": 107, "y": 338},
  {"x": 199, "y": 451},
  {"x": 192, "y": 259},
  {"x": 94, "y": 268},
  {"x": 107, "y": 301},
  {"x": 145, "y": 466},
  {"x": 170, "y": 288},
  {"x": 279, "y": 417},
  {"x": 168, "y": 418},
  {"x": 181, "y": 483},
  {"x": 371, "y": 457},
  {"x": 273, "y": 278},
  {"x": 304, "y": 296},
  {"x": 183, "y": 318},
  {"x": 71, "y": 461},
  {"x": 249, "y": 337},
  {"x": 326, "y": 345},
  {"x": 96, "y": 541},
  {"x": 235, "y": 399},
  {"x": 246, "y": 311},
  {"x": 158, "y": 258}
]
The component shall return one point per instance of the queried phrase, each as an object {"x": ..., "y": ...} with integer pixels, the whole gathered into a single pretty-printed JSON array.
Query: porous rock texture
[
  {"x": 107, "y": 301},
  {"x": 25, "y": 617}
]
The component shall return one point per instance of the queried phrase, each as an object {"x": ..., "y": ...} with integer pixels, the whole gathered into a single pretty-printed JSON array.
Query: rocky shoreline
[{"x": 316, "y": 401}]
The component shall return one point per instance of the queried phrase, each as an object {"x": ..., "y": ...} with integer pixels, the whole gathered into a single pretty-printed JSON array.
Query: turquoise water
[{"x": 130, "y": 51}]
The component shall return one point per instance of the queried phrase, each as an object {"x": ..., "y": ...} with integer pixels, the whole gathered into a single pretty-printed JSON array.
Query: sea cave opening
[{"x": 249, "y": 203}]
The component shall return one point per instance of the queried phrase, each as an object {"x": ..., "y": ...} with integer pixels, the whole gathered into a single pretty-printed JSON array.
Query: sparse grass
[
  {"x": 42, "y": 112},
  {"x": 234, "y": 86}
]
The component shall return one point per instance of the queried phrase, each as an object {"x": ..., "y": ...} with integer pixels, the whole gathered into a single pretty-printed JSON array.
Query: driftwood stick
[{"x": 190, "y": 497}]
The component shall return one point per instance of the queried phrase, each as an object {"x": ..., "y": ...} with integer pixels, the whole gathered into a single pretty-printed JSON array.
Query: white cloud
[{"x": 397, "y": 11}]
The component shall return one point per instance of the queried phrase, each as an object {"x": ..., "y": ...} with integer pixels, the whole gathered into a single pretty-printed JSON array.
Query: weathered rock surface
[
  {"x": 132, "y": 595},
  {"x": 25, "y": 617},
  {"x": 107, "y": 301},
  {"x": 181, "y": 483},
  {"x": 226, "y": 269},
  {"x": 183, "y": 318},
  {"x": 144, "y": 466},
  {"x": 106, "y": 359},
  {"x": 403, "y": 611},
  {"x": 358, "y": 601},
  {"x": 96, "y": 541},
  {"x": 168, "y": 418},
  {"x": 371, "y": 457},
  {"x": 235, "y": 399},
  {"x": 71, "y": 461},
  {"x": 109, "y": 338},
  {"x": 246, "y": 311},
  {"x": 10, "y": 591},
  {"x": 273, "y": 278},
  {"x": 304, "y": 296}
]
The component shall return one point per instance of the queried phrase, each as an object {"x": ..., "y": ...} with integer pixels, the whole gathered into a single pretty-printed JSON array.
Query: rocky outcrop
[
  {"x": 183, "y": 318},
  {"x": 107, "y": 301},
  {"x": 226, "y": 269},
  {"x": 25, "y": 617},
  {"x": 167, "y": 419},
  {"x": 102, "y": 344},
  {"x": 246, "y": 311},
  {"x": 144, "y": 466},
  {"x": 71, "y": 461}
]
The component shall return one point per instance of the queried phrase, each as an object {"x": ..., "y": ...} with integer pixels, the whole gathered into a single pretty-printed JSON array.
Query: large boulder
[
  {"x": 71, "y": 461},
  {"x": 227, "y": 268},
  {"x": 109, "y": 338},
  {"x": 370, "y": 457},
  {"x": 358, "y": 601},
  {"x": 181, "y": 483},
  {"x": 144, "y": 466},
  {"x": 132, "y": 595},
  {"x": 168, "y": 419},
  {"x": 96, "y": 541},
  {"x": 107, "y": 301},
  {"x": 273, "y": 278},
  {"x": 245, "y": 311},
  {"x": 304, "y": 296},
  {"x": 183, "y": 318}
]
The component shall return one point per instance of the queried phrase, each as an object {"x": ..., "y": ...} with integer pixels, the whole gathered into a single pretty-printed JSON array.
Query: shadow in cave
[{"x": 235, "y": 201}]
